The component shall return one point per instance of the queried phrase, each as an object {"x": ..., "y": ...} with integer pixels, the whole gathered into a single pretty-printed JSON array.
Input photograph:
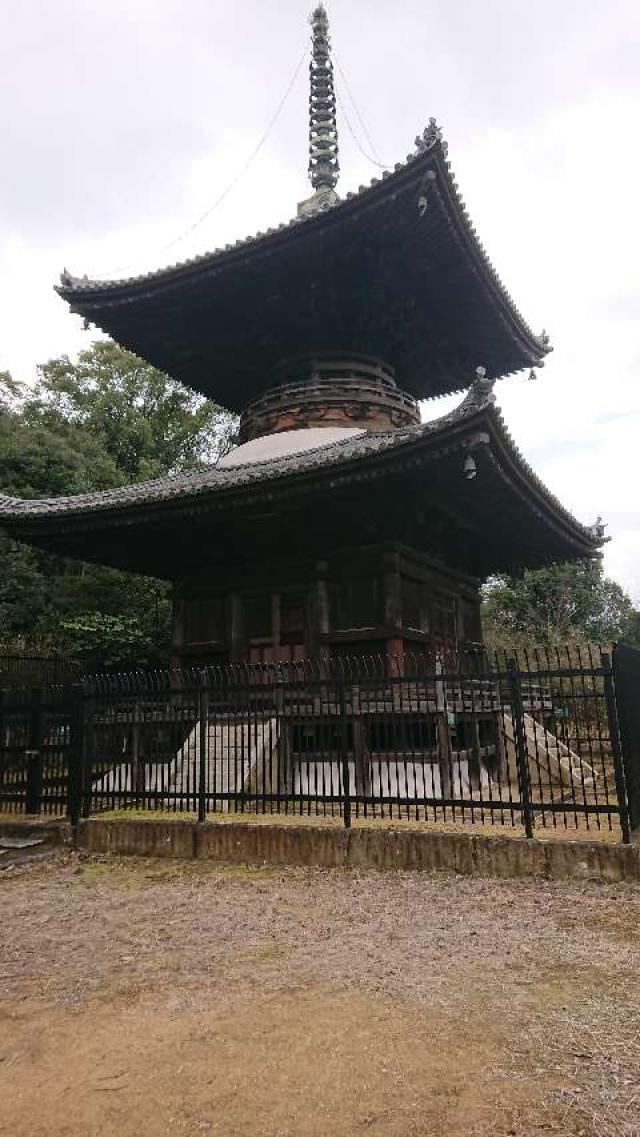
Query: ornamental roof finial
[
  {"x": 480, "y": 391},
  {"x": 430, "y": 135},
  {"x": 323, "y": 131}
]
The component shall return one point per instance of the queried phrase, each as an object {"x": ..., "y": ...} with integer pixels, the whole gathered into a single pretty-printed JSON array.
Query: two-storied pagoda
[{"x": 339, "y": 523}]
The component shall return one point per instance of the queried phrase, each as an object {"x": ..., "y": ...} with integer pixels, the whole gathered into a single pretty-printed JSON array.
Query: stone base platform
[{"x": 308, "y": 844}]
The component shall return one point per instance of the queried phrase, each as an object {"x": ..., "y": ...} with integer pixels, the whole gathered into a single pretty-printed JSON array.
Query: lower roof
[{"x": 409, "y": 484}]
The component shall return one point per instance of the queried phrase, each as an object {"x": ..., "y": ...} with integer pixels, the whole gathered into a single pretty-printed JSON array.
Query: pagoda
[{"x": 340, "y": 523}]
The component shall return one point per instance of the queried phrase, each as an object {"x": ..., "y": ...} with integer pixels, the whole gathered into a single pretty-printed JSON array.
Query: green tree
[
  {"x": 104, "y": 421},
  {"x": 24, "y": 594},
  {"x": 556, "y": 605},
  {"x": 147, "y": 423}
]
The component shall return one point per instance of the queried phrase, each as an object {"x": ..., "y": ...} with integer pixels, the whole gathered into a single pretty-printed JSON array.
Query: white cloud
[{"x": 558, "y": 222}]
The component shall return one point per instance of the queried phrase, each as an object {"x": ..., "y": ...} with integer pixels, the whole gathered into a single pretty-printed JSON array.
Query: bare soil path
[{"x": 149, "y": 998}]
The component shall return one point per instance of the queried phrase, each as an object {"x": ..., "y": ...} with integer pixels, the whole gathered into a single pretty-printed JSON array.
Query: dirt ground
[{"x": 149, "y": 998}]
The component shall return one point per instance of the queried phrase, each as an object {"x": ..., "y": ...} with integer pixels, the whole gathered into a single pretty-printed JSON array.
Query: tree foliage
[
  {"x": 557, "y": 605},
  {"x": 146, "y": 423},
  {"x": 106, "y": 420}
]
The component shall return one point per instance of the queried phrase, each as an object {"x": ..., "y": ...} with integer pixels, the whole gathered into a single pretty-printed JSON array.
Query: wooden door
[{"x": 275, "y": 625}]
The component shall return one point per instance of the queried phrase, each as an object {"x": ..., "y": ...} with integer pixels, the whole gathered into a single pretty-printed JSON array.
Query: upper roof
[
  {"x": 149, "y": 526},
  {"x": 395, "y": 271}
]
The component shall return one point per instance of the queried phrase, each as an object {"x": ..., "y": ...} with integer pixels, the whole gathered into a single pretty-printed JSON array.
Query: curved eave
[
  {"x": 530, "y": 523},
  {"x": 533, "y": 347},
  {"x": 521, "y": 481},
  {"x": 110, "y": 304}
]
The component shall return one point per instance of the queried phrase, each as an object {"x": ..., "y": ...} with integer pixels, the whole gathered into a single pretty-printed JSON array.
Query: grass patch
[
  {"x": 247, "y": 872},
  {"x": 444, "y": 825},
  {"x": 133, "y": 874},
  {"x": 143, "y": 815},
  {"x": 220, "y": 818}
]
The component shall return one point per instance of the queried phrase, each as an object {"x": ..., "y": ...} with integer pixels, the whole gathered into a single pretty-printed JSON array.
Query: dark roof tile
[{"x": 217, "y": 479}]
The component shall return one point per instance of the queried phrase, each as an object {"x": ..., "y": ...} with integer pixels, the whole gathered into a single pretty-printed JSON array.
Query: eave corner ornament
[
  {"x": 429, "y": 137},
  {"x": 481, "y": 390}
]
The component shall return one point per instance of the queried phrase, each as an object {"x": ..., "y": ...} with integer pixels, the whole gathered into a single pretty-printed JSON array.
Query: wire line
[
  {"x": 353, "y": 134},
  {"x": 376, "y": 159},
  {"x": 233, "y": 183},
  {"x": 250, "y": 160}
]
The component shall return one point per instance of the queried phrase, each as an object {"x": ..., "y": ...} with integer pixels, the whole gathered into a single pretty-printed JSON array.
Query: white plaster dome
[{"x": 287, "y": 442}]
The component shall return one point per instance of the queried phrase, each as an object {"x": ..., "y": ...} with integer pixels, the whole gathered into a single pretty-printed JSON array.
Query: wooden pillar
[
  {"x": 393, "y": 607},
  {"x": 314, "y": 614},
  {"x": 458, "y": 616},
  {"x": 177, "y": 627},
  {"x": 236, "y": 643},
  {"x": 476, "y": 603},
  {"x": 278, "y": 654},
  {"x": 322, "y": 611}
]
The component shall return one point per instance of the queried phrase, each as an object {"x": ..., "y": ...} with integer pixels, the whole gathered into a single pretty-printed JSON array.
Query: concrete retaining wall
[
  {"x": 139, "y": 838},
  {"x": 256, "y": 843}
]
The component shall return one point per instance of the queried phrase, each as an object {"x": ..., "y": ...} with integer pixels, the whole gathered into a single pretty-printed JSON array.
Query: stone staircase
[
  {"x": 548, "y": 755},
  {"x": 240, "y": 755}
]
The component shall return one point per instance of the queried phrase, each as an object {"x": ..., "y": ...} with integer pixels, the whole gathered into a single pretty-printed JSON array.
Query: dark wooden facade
[{"x": 363, "y": 600}]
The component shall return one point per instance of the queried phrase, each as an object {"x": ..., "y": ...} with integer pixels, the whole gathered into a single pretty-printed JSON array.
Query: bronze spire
[
  {"x": 323, "y": 131},
  {"x": 324, "y": 167}
]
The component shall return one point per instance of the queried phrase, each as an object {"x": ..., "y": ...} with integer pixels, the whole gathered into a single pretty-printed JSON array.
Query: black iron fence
[
  {"x": 27, "y": 667},
  {"x": 530, "y": 741},
  {"x": 626, "y": 663}
]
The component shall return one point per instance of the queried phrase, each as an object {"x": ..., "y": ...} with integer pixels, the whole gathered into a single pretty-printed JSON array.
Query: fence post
[
  {"x": 361, "y": 761},
  {"x": 520, "y": 738},
  {"x": 88, "y": 737},
  {"x": 443, "y": 735},
  {"x": 33, "y": 753},
  {"x": 344, "y": 747},
  {"x": 616, "y": 747},
  {"x": 3, "y": 740},
  {"x": 75, "y": 782},
  {"x": 203, "y": 754}
]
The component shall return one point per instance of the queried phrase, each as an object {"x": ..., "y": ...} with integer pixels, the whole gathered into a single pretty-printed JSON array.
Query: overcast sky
[{"x": 122, "y": 121}]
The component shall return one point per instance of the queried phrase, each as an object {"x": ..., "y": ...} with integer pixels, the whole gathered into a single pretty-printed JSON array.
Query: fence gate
[
  {"x": 626, "y": 667},
  {"x": 35, "y": 747}
]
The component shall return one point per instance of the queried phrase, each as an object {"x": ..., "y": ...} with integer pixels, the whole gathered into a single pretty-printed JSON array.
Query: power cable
[
  {"x": 250, "y": 160},
  {"x": 376, "y": 159},
  {"x": 233, "y": 183},
  {"x": 353, "y": 134}
]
